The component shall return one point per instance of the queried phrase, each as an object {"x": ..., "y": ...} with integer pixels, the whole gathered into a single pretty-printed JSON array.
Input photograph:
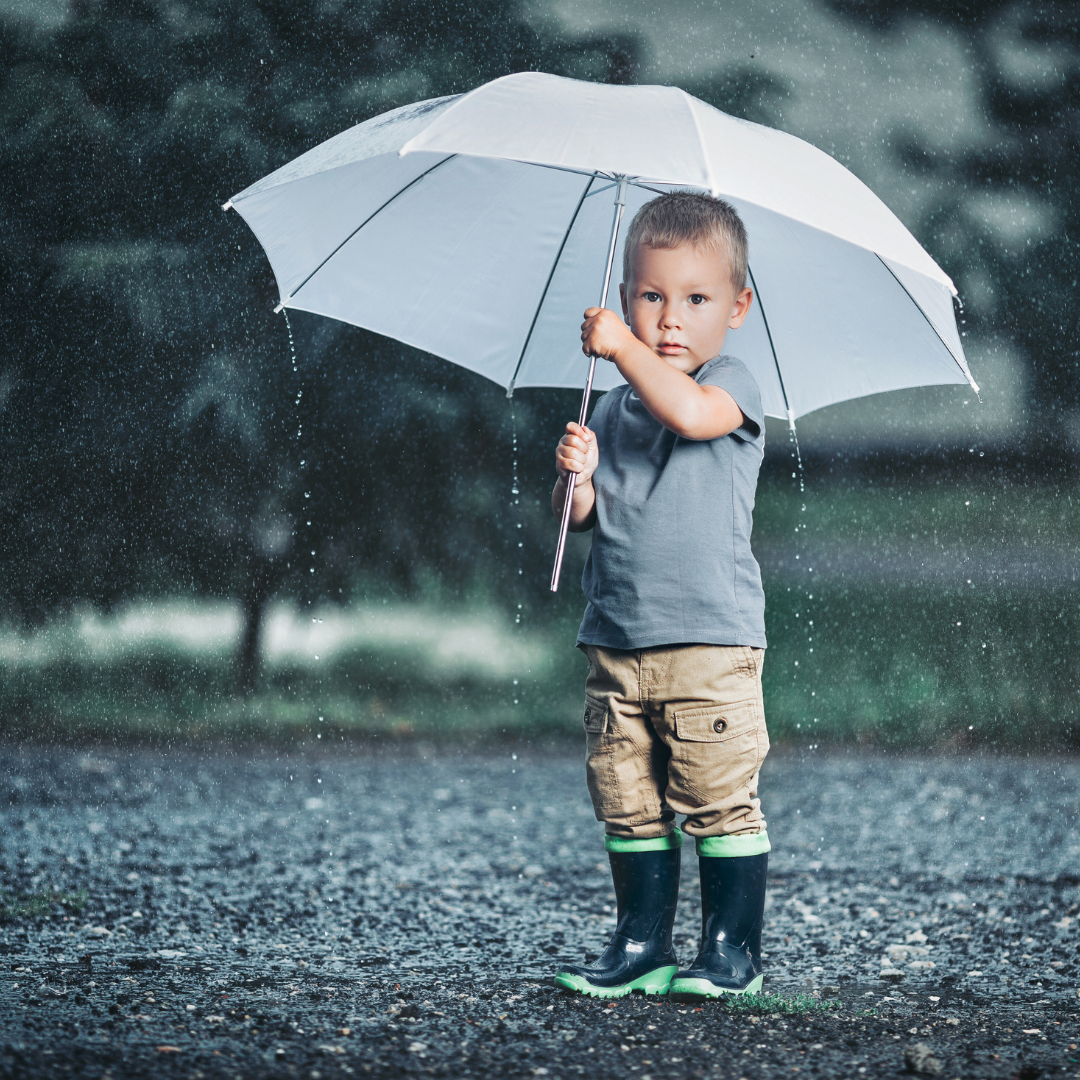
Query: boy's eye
[
  {"x": 697, "y": 298},
  {"x": 651, "y": 297}
]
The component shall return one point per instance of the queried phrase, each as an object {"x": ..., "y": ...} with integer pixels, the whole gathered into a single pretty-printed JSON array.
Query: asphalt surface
[{"x": 358, "y": 911}]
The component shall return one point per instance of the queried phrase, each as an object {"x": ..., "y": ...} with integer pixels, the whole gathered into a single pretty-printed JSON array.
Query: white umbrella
[{"x": 474, "y": 227}]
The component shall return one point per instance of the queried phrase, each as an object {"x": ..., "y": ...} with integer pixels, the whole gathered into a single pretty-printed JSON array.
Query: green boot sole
[
  {"x": 653, "y": 982},
  {"x": 702, "y": 988}
]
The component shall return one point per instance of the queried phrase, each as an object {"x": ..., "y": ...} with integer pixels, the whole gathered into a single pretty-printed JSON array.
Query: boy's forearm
[
  {"x": 582, "y": 511},
  {"x": 671, "y": 396}
]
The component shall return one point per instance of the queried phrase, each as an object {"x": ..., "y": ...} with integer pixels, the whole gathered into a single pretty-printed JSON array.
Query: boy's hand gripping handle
[{"x": 571, "y": 480}]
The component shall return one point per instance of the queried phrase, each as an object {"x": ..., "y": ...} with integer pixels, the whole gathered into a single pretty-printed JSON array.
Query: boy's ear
[
  {"x": 622, "y": 296},
  {"x": 740, "y": 308}
]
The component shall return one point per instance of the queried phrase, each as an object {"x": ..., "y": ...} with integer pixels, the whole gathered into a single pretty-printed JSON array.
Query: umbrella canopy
[{"x": 475, "y": 227}]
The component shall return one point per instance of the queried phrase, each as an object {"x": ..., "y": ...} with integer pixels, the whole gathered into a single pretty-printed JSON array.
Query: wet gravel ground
[{"x": 382, "y": 912}]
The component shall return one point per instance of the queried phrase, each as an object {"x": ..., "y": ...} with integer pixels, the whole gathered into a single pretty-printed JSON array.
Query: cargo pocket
[
  {"x": 618, "y": 771},
  {"x": 596, "y": 718},
  {"x": 716, "y": 749},
  {"x": 599, "y": 766},
  {"x": 716, "y": 723}
]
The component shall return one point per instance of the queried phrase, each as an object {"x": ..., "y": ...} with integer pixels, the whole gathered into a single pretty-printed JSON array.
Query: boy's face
[{"x": 681, "y": 303}]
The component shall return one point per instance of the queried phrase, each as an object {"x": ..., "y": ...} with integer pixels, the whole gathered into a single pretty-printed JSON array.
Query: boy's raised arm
[
  {"x": 576, "y": 453},
  {"x": 670, "y": 395}
]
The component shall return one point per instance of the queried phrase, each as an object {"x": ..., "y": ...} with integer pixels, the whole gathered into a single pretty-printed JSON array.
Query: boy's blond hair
[{"x": 689, "y": 217}]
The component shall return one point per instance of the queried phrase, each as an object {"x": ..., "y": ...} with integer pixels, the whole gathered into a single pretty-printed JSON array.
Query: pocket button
[{"x": 719, "y": 725}]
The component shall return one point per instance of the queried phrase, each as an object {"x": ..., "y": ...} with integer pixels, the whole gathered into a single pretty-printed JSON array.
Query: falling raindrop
[
  {"x": 515, "y": 491},
  {"x": 292, "y": 343},
  {"x": 801, "y": 539},
  {"x": 793, "y": 438},
  {"x": 299, "y": 431}
]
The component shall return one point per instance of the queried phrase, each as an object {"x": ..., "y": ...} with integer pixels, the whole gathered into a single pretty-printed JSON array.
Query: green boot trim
[
  {"x": 654, "y": 982},
  {"x": 705, "y": 988},
  {"x": 623, "y": 844},
  {"x": 733, "y": 847}
]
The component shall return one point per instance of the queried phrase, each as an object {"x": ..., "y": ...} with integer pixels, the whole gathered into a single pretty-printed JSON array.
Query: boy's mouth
[{"x": 670, "y": 348}]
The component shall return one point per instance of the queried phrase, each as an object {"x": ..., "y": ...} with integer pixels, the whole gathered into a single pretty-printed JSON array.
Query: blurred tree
[
  {"x": 1008, "y": 228},
  {"x": 155, "y": 431}
]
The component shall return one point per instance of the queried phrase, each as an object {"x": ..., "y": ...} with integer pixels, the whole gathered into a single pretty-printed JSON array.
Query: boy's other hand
[
  {"x": 577, "y": 453},
  {"x": 603, "y": 334}
]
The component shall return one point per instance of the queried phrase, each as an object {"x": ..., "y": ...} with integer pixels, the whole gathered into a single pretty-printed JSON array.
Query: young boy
[{"x": 674, "y": 628}]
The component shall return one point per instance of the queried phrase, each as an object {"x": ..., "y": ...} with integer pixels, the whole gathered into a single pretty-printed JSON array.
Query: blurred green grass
[
  {"x": 871, "y": 659},
  {"x": 400, "y": 670},
  {"x": 897, "y": 508},
  {"x": 917, "y": 668},
  {"x": 956, "y": 629}
]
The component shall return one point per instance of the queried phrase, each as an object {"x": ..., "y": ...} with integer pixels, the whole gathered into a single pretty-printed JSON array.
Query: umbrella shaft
[{"x": 571, "y": 481}]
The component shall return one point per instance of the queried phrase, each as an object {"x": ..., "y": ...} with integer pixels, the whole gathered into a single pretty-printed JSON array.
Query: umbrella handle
[{"x": 571, "y": 481}]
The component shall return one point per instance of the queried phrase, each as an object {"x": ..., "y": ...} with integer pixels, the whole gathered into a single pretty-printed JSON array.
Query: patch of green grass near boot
[
  {"x": 654, "y": 982},
  {"x": 703, "y": 988},
  {"x": 767, "y": 1004}
]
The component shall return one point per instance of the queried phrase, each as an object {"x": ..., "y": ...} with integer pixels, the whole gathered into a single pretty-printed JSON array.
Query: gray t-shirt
[{"x": 670, "y": 561}]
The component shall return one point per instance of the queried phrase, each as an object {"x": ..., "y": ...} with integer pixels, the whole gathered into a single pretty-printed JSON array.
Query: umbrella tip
[
  {"x": 791, "y": 420},
  {"x": 227, "y": 206}
]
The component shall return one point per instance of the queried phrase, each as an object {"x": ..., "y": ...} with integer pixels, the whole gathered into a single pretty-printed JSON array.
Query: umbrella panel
[
  {"x": 302, "y": 222},
  {"x": 936, "y": 304},
  {"x": 841, "y": 323},
  {"x": 456, "y": 265}
]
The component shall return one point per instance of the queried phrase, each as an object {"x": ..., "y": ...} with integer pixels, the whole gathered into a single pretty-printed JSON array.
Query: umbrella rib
[
  {"x": 963, "y": 370},
  {"x": 373, "y": 214},
  {"x": 547, "y": 284},
  {"x": 776, "y": 359},
  {"x": 593, "y": 173}
]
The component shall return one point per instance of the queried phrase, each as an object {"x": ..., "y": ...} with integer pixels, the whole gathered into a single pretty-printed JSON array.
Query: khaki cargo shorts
[{"x": 677, "y": 729}]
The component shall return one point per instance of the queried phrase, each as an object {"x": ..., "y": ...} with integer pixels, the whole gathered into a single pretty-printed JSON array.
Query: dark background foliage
[
  {"x": 1036, "y": 151},
  {"x": 150, "y": 407}
]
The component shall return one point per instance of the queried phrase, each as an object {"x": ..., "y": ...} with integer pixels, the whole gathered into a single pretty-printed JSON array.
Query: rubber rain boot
[
  {"x": 640, "y": 955},
  {"x": 733, "y": 871}
]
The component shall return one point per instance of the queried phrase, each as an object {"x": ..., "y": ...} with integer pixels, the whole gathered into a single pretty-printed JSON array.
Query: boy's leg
[
  {"x": 626, "y": 764},
  {"x": 732, "y": 913},
  {"x": 714, "y": 724},
  {"x": 627, "y": 772},
  {"x": 639, "y": 955},
  {"x": 707, "y": 708}
]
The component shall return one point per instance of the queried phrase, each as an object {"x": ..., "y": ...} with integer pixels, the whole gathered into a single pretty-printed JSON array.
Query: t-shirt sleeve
[{"x": 733, "y": 376}]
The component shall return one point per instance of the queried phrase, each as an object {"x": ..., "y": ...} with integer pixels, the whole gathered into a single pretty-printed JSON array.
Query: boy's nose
[{"x": 669, "y": 320}]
